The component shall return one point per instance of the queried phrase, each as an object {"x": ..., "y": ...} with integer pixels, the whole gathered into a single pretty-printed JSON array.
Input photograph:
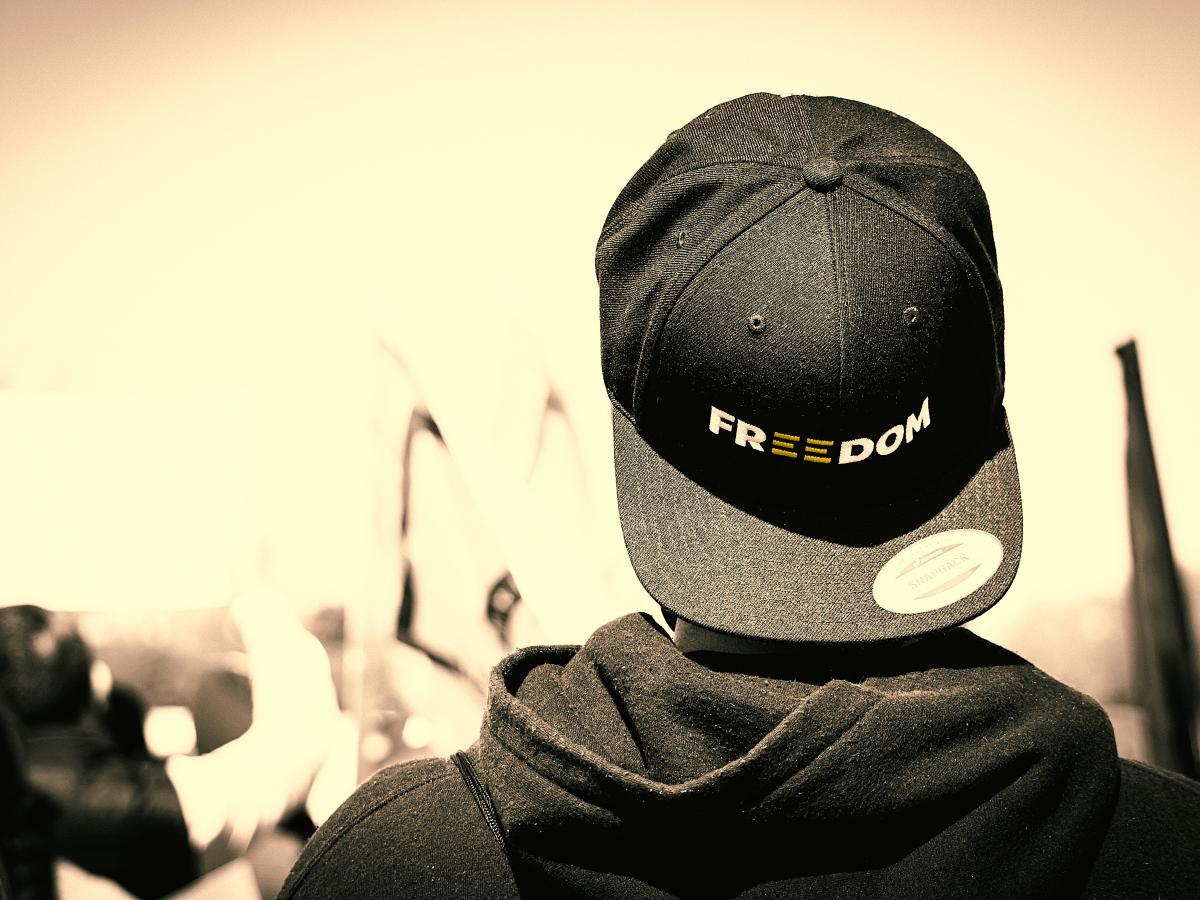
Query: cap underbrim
[{"x": 716, "y": 565}]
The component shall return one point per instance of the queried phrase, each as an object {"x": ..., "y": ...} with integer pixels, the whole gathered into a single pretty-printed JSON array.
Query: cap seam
[
  {"x": 810, "y": 148},
  {"x": 840, "y": 298},
  {"x": 805, "y": 128}
]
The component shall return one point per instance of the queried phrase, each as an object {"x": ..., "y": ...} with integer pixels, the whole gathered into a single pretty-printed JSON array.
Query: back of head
[
  {"x": 802, "y": 338},
  {"x": 45, "y": 666}
]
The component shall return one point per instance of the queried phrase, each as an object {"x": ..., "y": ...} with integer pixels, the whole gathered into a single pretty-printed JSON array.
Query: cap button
[{"x": 822, "y": 173}]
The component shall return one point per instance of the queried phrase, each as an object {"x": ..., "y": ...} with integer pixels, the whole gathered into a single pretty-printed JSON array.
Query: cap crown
[{"x": 794, "y": 290}]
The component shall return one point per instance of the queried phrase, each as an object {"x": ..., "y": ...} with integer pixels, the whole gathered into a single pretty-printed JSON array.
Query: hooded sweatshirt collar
[{"x": 951, "y": 755}]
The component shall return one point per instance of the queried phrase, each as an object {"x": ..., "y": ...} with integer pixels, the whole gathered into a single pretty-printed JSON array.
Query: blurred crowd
[{"x": 97, "y": 800}]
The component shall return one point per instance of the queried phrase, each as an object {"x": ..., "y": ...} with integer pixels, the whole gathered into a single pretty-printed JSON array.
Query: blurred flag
[{"x": 1164, "y": 663}]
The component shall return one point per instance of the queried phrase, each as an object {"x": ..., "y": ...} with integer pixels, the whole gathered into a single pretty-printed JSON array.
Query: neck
[{"x": 690, "y": 637}]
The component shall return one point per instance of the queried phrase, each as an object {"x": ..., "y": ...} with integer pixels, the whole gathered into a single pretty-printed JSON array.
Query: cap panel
[
  {"x": 900, "y": 288},
  {"x": 918, "y": 397},
  {"x": 951, "y": 196},
  {"x": 754, "y": 342},
  {"x": 759, "y": 127},
  {"x": 914, "y": 326},
  {"x": 927, "y": 202},
  {"x": 917, "y": 169},
  {"x": 643, "y": 262},
  {"x": 848, "y": 128},
  {"x": 758, "y": 329}
]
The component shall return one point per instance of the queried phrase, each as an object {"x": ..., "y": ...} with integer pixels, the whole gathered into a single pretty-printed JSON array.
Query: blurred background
[{"x": 298, "y": 337}]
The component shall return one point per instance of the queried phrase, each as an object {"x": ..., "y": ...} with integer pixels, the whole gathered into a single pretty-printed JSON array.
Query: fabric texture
[
  {"x": 411, "y": 831},
  {"x": 625, "y": 768}
]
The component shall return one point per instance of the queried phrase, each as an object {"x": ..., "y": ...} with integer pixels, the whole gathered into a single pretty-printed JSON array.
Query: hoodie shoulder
[
  {"x": 1153, "y": 843},
  {"x": 413, "y": 831}
]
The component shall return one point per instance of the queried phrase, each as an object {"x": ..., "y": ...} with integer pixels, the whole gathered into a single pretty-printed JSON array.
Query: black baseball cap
[{"x": 802, "y": 339}]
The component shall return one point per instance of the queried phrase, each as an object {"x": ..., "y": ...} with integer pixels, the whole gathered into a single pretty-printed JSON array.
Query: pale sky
[{"x": 205, "y": 199}]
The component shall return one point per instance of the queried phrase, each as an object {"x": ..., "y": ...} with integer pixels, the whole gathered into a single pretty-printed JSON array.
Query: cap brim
[{"x": 716, "y": 565}]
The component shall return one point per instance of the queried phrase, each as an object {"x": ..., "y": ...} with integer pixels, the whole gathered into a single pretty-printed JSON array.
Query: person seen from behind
[{"x": 802, "y": 339}]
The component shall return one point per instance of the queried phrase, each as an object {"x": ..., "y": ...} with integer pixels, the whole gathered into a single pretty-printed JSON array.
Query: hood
[{"x": 945, "y": 768}]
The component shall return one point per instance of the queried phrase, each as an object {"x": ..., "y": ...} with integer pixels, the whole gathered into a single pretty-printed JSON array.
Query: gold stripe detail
[
  {"x": 816, "y": 458},
  {"x": 816, "y": 450},
  {"x": 820, "y": 442},
  {"x": 784, "y": 453},
  {"x": 787, "y": 444},
  {"x": 787, "y": 437}
]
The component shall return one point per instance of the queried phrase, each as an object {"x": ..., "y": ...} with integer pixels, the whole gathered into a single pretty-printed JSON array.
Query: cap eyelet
[
  {"x": 756, "y": 324},
  {"x": 910, "y": 315},
  {"x": 681, "y": 239}
]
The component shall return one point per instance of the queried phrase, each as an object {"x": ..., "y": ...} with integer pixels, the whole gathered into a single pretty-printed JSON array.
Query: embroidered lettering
[
  {"x": 750, "y": 435},
  {"x": 719, "y": 421},
  {"x": 915, "y": 422},
  {"x": 820, "y": 450}
]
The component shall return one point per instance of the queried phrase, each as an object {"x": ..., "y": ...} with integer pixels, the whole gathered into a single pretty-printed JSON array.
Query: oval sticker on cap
[{"x": 937, "y": 570}]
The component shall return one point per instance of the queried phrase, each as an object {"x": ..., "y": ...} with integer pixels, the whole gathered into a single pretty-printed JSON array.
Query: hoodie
[{"x": 625, "y": 768}]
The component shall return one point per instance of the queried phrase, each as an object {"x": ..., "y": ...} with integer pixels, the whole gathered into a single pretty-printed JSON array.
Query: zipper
[{"x": 482, "y": 800}]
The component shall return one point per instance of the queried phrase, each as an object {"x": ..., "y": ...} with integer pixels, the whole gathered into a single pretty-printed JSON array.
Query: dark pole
[{"x": 1164, "y": 668}]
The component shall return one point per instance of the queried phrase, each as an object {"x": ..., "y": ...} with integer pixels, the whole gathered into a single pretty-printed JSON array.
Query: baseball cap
[{"x": 802, "y": 339}]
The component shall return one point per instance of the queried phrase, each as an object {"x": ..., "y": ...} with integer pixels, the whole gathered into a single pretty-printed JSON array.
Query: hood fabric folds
[{"x": 951, "y": 767}]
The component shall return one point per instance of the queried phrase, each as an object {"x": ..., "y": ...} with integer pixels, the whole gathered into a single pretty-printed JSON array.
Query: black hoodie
[{"x": 625, "y": 768}]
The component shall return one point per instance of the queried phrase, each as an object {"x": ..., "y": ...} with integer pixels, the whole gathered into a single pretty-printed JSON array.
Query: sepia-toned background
[{"x": 242, "y": 242}]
